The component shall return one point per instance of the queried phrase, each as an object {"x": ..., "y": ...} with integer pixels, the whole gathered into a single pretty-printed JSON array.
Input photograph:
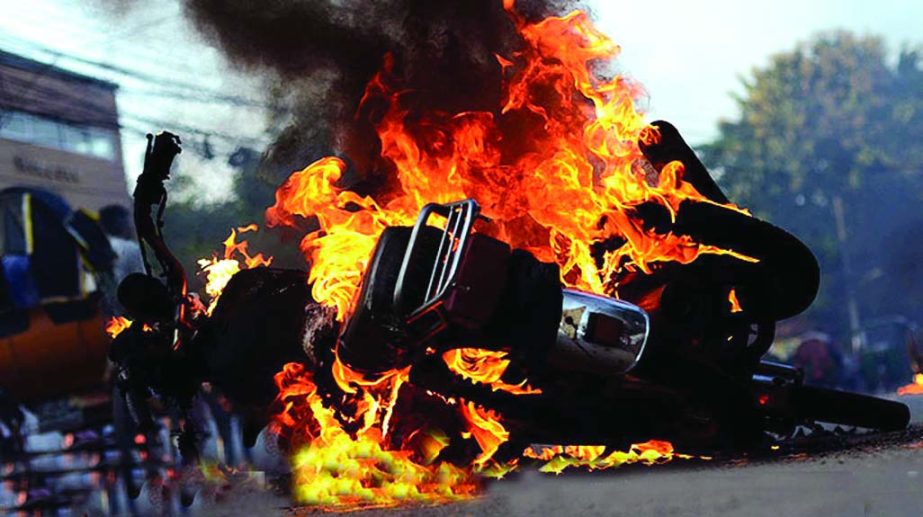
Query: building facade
[{"x": 60, "y": 131}]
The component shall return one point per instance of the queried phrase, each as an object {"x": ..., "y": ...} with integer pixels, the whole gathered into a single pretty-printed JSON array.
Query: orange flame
[
  {"x": 566, "y": 180},
  {"x": 484, "y": 425},
  {"x": 339, "y": 250},
  {"x": 914, "y": 388},
  {"x": 735, "y": 303},
  {"x": 116, "y": 325},
  {"x": 218, "y": 272},
  {"x": 337, "y": 470},
  {"x": 486, "y": 367},
  {"x": 558, "y": 458}
]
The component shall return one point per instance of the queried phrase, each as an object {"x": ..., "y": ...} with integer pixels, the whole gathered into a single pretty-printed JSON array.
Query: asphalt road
[
  {"x": 879, "y": 475},
  {"x": 878, "y": 479}
]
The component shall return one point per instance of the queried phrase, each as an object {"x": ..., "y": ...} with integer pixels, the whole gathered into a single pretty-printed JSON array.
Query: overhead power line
[
  {"x": 131, "y": 43},
  {"x": 139, "y": 75},
  {"x": 81, "y": 108}
]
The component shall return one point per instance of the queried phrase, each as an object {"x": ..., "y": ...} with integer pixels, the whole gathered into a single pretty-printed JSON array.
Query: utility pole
[{"x": 852, "y": 305}]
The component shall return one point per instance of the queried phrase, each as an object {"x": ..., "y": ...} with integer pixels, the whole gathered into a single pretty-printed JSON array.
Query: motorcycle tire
[
  {"x": 840, "y": 407},
  {"x": 784, "y": 281}
]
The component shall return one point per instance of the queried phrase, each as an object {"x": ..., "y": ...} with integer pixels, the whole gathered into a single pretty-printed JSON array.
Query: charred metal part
[
  {"x": 437, "y": 287},
  {"x": 529, "y": 314},
  {"x": 369, "y": 339},
  {"x": 811, "y": 402},
  {"x": 146, "y": 355},
  {"x": 786, "y": 277},
  {"x": 691, "y": 318}
]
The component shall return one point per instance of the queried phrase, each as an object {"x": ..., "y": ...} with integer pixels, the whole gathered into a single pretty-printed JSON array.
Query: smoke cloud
[
  {"x": 321, "y": 54},
  {"x": 317, "y": 57}
]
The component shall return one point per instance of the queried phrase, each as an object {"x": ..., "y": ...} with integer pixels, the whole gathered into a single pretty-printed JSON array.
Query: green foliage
[
  {"x": 834, "y": 118},
  {"x": 196, "y": 230}
]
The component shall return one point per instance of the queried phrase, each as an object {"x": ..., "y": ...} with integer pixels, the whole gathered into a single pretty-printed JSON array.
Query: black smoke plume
[{"x": 321, "y": 54}]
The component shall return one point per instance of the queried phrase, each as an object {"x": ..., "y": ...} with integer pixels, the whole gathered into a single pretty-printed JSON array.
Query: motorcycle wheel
[{"x": 840, "y": 407}]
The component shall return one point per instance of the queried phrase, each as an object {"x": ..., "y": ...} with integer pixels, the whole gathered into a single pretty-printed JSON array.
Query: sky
[
  {"x": 690, "y": 55},
  {"x": 190, "y": 92}
]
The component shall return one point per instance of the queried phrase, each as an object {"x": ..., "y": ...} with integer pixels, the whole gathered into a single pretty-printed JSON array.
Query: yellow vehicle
[
  {"x": 56, "y": 266},
  {"x": 60, "y": 152}
]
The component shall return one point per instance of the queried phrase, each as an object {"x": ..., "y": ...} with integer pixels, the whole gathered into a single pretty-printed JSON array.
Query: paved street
[{"x": 842, "y": 477}]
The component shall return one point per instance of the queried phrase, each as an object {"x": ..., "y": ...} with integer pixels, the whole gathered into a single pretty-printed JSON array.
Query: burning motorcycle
[{"x": 678, "y": 356}]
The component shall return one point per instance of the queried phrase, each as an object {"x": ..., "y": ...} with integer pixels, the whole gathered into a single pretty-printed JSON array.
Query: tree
[
  {"x": 196, "y": 230},
  {"x": 829, "y": 144}
]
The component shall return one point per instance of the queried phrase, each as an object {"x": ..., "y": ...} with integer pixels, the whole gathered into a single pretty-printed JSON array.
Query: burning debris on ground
[{"x": 507, "y": 267}]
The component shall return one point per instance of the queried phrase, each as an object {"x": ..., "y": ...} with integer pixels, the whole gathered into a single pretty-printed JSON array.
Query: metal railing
[{"x": 460, "y": 217}]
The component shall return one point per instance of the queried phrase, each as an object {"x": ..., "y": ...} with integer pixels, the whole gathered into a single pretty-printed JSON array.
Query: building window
[{"x": 56, "y": 134}]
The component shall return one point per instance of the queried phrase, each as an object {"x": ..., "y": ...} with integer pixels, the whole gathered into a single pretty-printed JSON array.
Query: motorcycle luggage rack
[{"x": 460, "y": 217}]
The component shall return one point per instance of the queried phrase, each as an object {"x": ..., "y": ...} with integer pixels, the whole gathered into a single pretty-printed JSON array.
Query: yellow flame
[
  {"x": 486, "y": 367},
  {"x": 219, "y": 271},
  {"x": 914, "y": 388},
  {"x": 558, "y": 458},
  {"x": 116, "y": 325},
  {"x": 735, "y": 303},
  {"x": 337, "y": 470}
]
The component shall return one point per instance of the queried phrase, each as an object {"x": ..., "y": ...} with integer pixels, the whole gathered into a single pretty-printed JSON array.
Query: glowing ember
[{"x": 914, "y": 388}]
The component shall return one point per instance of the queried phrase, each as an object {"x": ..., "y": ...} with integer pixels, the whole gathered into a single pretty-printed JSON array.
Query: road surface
[{"x": 854, "y": 476}]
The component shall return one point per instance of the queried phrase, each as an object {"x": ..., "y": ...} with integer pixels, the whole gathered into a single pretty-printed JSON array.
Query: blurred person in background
[
  {"x": 11, "y": 420},
  {"x": 820, "y": 360}
]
